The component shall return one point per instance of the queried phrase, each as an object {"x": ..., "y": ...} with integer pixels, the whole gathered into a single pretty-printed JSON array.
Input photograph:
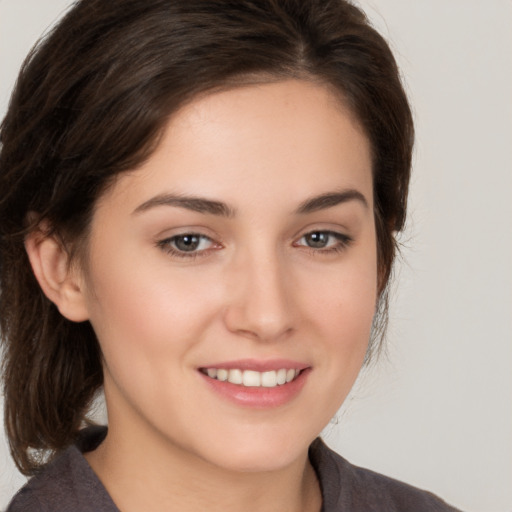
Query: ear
[{"x": 60, "y": 282}]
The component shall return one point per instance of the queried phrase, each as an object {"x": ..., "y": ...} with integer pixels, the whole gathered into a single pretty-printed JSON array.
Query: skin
[{"x": 253, "y": 289}]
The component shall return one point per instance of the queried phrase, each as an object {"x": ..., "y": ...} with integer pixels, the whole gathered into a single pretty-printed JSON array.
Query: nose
[{"x": 260, "y": 304}]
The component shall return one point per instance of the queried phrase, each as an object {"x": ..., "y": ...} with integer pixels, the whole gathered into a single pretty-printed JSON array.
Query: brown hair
[{"x": 91, "y": 101}]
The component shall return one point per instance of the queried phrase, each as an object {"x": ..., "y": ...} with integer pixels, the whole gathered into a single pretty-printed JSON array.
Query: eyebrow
[
  {"x": 331, "y": 199},
  {"x": 212, "y": 207},
  {"x": 196, "y": 204}
]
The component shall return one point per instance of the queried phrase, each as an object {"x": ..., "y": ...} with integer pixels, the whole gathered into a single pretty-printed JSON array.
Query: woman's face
[{"x": 243, "y": 249}]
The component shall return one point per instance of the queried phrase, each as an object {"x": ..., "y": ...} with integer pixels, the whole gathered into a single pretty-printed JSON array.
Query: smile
[{"x": 252, "y": 378}]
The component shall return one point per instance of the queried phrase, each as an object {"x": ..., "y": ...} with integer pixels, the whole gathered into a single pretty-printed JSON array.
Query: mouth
[
  {"x": 255, "y": 383},
  {"x": 253, "y": 378}
]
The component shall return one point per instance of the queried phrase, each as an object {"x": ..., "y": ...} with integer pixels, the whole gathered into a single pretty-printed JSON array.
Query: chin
[{"x": 257, "y": 452}]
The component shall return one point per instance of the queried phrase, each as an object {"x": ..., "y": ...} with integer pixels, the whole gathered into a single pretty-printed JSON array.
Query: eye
[
  {"x": 324, "y": 241},
  {"x": 186, "y": 244}
]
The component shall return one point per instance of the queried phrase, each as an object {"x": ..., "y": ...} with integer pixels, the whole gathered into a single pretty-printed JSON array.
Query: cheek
[
  {"x": 339, "y": 320},
  {"x": 345, "y": 303},
  {"x": 146, "y": 302},
  {"x": 150, "y": 332},
  {"x": 143, "y": 314},
  {"x": 343, "y": 314},
  {"x": 347, "y": 324}
]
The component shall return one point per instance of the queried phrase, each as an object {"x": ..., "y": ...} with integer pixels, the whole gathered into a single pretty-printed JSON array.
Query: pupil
[
  {"x": 187, "y": 242},
  {"x": 317, "y": 240}
]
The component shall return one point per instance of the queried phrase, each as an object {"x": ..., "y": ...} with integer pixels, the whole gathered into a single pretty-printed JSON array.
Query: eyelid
[
  {"x": 344, "y": 241},
  {"x": 166, "y": 244}
]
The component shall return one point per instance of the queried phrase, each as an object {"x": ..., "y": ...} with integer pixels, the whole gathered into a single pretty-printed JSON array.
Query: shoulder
[
  {"x": 66, "y": 484},
  {"x": 53, "y": 484},
  {"x": 348, "y": 487}
]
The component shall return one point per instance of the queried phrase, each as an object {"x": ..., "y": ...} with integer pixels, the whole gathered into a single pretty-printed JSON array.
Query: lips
[
  {"x": 258, "y": 384},
  {"x": 253, "y": 378}
]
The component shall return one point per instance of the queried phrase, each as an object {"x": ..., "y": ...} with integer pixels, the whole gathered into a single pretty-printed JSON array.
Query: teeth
[
  {"x": 222, "y": 374},
  {"x": 235, "y": 377},
  {"x": 251, "y": 378},
  {"x": 281, "y": 376},
  {"x": 269, "y": 379},
  {"x": 290, "y": 375}
]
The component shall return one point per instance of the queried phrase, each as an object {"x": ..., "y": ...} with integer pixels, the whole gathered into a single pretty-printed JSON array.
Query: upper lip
[{"x": 258, "y": 365}]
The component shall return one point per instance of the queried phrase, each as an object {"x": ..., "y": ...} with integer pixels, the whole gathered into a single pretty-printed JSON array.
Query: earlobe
[{"x": 50, "y": 264}]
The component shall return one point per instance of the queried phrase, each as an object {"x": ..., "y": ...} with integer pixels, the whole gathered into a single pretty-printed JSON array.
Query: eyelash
[
  {"x": 166, "y": 246},
  {"x": 343, "y": 242}
]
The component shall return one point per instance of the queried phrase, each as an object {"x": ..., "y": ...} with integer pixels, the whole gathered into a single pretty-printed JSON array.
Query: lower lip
[{"x": 258, "y": 397}]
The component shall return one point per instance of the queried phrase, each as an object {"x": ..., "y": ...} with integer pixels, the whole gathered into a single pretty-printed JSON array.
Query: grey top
[{"x": 69, "y": 484}]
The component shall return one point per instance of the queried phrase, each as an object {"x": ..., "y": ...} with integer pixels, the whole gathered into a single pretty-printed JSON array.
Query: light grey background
[{"x": 438, "y": 411}]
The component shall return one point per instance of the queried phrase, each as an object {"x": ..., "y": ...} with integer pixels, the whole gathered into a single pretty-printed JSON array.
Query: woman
[{"x": 199, "y": 202}]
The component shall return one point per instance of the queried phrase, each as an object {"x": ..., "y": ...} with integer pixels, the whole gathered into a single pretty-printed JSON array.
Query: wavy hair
[{"x": 91, "y": 101}]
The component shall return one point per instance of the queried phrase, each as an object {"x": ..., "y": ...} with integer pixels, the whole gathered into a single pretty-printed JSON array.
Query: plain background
[{"x": 437, "y": 411}]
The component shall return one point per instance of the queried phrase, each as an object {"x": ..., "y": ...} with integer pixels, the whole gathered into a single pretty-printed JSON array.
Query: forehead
[{"x": 291, "y": 138}]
